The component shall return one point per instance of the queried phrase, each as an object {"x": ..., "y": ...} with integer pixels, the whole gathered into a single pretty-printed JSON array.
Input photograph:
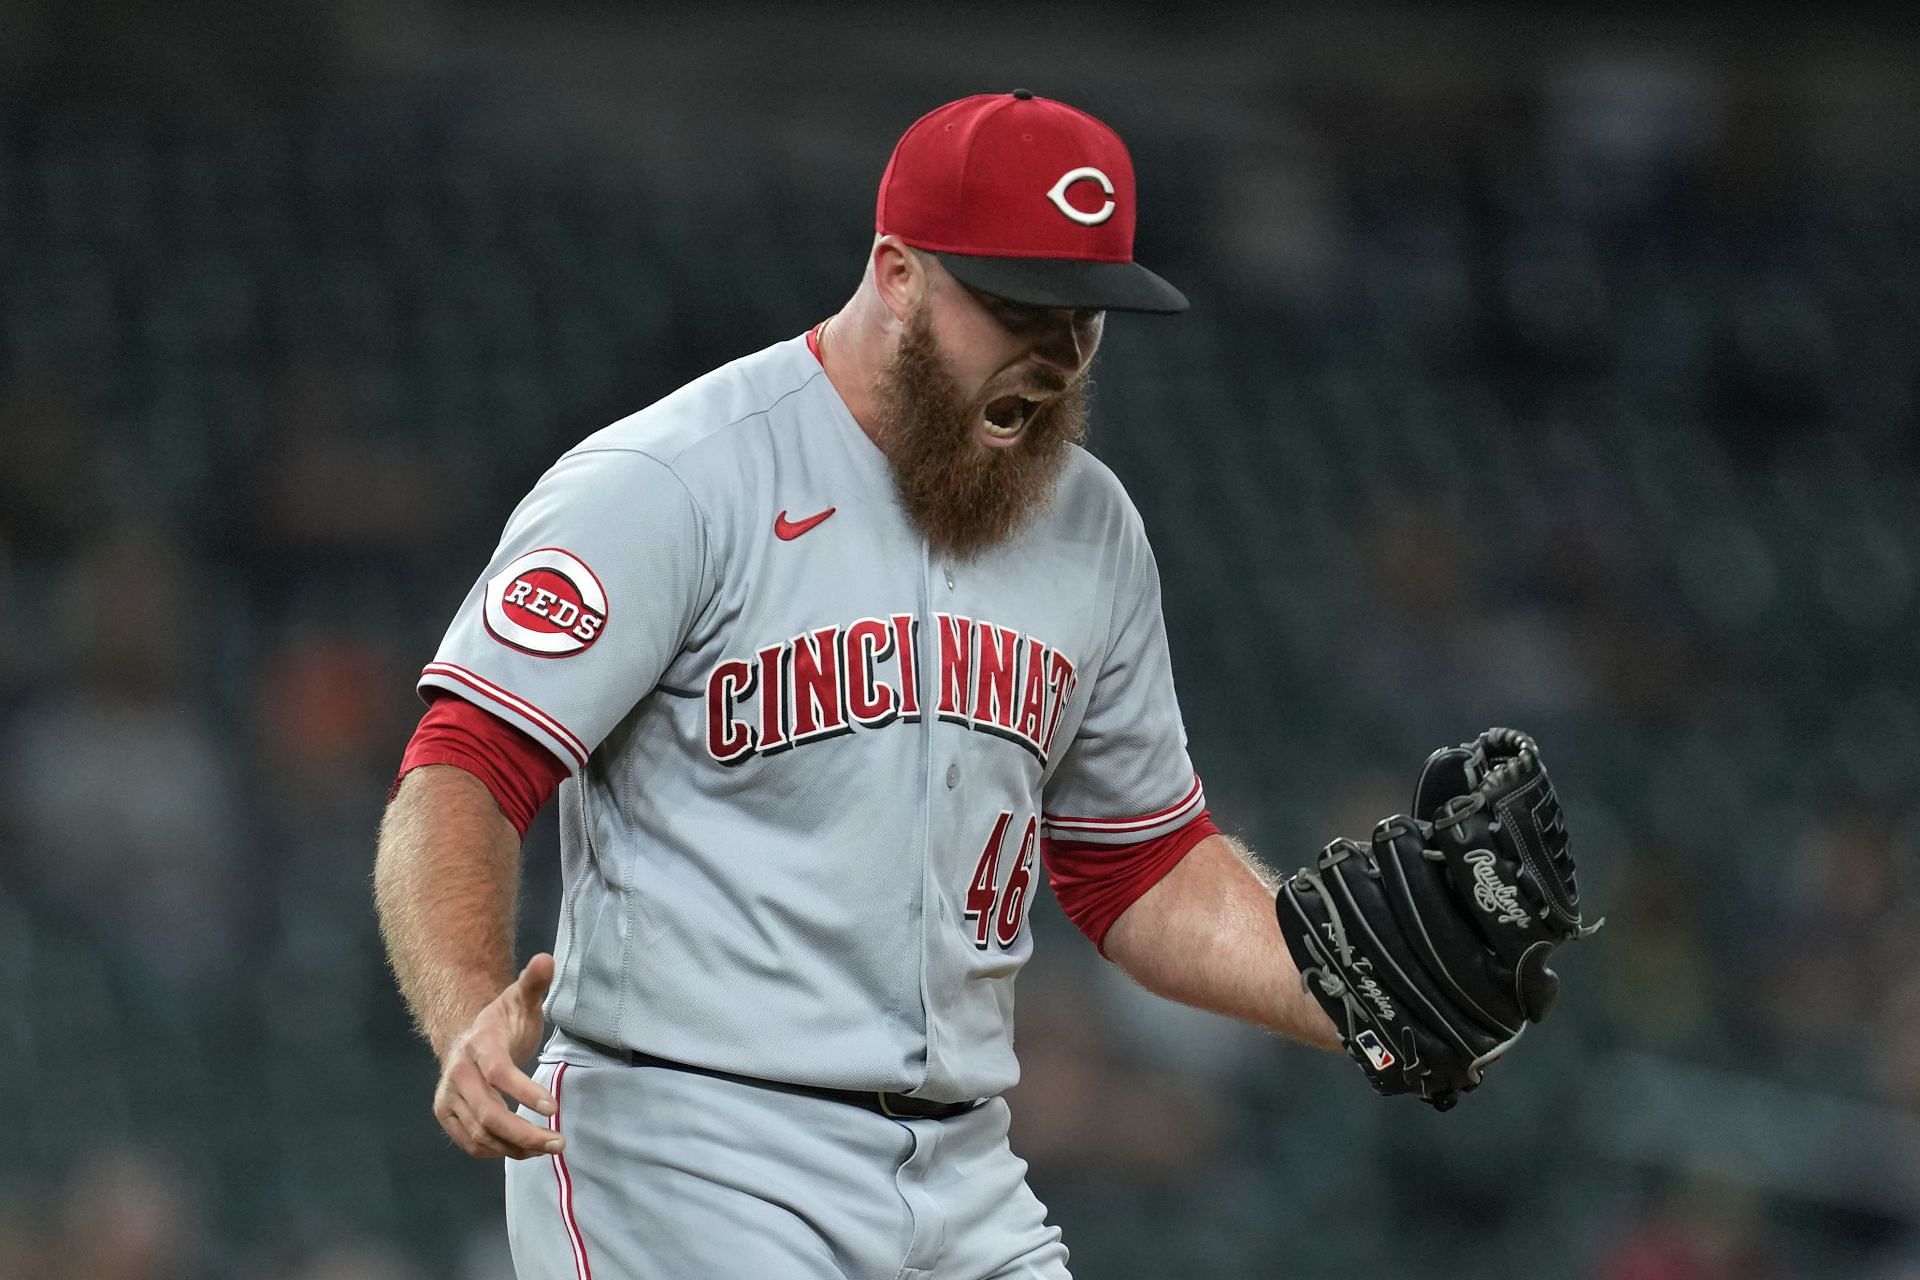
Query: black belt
[{"x": 899, "y": 1106}]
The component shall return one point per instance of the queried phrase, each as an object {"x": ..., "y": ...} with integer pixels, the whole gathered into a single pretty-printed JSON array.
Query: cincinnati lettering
[{"x": 867, "y": 675}]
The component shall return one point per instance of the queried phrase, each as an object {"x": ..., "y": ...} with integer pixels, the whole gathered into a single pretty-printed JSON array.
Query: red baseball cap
[{"x": 1025, "y": 198}]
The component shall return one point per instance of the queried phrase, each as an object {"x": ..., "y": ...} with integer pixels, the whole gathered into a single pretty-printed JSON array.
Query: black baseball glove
[{"x": 1429, "y": 946}]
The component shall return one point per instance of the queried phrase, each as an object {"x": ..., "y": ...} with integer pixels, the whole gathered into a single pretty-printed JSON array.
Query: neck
[{"x": 853, "y": 351}]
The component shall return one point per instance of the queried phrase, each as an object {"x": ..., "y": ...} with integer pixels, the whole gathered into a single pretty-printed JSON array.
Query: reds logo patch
[{"x": 547, "y": 603}]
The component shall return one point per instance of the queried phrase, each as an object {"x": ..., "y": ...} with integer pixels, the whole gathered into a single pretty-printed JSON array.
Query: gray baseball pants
[{"x": 673, "y": 1175}]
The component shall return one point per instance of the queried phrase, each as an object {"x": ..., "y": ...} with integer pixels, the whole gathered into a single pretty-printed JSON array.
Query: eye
[
  {"x": 1013, "y": 315},
  {"x": 1023, "y": 317}
]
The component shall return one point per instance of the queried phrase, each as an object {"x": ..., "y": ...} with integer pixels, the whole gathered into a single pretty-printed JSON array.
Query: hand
[{"x": 483, "y": 1063}]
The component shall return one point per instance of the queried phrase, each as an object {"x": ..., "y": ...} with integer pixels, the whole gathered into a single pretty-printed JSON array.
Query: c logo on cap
[{"x": 1085, "y": 174}]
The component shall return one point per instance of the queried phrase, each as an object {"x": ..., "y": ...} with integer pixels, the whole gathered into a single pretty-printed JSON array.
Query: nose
[{"x": 1067, "y": 342}]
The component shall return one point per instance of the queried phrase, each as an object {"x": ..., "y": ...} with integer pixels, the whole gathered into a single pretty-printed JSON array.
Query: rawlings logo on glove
[
  {"x": 1497, "y": 899},
  {"x": 1428, "y": 946}
]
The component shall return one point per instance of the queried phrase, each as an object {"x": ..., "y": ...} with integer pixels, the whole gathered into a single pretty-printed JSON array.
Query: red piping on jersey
[
  {"x": 521, "y": 774},
  {"x": 581, "y": 1269},
  {"x": 1096, "y": 883},
  {"x": 512, "y": 702},
  {"x": 813, "y": 342},
  {"x": 1118, "y": 826}
]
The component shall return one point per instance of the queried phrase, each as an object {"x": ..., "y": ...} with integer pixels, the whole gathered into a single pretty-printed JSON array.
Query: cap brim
[{"x": 1067, "y": 282}]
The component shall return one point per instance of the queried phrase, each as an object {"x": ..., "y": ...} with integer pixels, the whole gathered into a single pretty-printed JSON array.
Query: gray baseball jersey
[{"x": 812, "y": 761}]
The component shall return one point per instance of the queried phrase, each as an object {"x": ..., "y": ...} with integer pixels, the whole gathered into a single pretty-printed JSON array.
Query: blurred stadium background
[{"x": 1554, "y": 369}]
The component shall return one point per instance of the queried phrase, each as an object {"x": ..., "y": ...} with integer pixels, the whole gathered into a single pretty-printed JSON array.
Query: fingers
[
  {"x": 468, "y": 1134},
  {"x": 469, "y": 1107},
  {"x": 490, "y": 1131},
  {"x": 531, "y": 986},
  {"x": 483, "y": 1065},
  {"x": 500, "y": 1071}
]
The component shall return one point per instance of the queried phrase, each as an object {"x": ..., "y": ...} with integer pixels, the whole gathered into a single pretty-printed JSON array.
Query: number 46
[{"x": 1003, "y": 921}]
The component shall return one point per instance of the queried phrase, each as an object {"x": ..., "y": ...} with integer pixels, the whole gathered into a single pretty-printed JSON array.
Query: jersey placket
[{"x": 926, "y": 676}]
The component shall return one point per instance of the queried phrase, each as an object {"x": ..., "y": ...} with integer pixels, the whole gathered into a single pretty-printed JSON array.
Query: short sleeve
[
  {"x": 1126, "y": 777},
  {"x": 594, "y": 586}
]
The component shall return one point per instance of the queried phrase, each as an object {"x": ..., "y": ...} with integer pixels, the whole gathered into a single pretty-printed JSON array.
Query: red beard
[{"x": 964, "y": 496}]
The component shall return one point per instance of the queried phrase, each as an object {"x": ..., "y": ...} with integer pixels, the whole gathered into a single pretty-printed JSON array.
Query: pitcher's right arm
[{"x": 445, "y": 884}]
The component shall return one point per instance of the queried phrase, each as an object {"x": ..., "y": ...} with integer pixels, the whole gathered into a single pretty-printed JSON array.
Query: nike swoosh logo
[{"x": 787, "y": 530}]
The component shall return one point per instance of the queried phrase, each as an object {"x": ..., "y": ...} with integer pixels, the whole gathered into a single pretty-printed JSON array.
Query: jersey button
[
  {"x": 953, "y": 776},
  {"x": 949, "y": 574}
]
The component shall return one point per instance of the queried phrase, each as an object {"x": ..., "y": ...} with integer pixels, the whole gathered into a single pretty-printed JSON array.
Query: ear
[{"x": 899, "y": 277}]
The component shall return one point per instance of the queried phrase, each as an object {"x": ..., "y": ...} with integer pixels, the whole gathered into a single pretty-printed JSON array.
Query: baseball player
[{"x": 829, "y": 654}]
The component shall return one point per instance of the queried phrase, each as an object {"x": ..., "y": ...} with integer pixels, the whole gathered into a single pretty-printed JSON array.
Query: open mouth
[{"x": 1005, "y": 417}]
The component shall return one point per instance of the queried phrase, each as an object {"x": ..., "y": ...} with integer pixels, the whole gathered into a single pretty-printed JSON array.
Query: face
[{"x": 978, "y": 408}]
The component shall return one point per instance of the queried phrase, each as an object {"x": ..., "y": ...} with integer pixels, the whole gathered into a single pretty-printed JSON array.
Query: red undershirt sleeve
[
  {"x": 1096, "y": 883},
  {"x": 521, "y": 774}
]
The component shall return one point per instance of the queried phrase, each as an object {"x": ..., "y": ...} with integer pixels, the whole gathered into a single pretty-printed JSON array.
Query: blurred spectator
[
  {"x": 1588, "y": 580},
  {"x": 1894, "y": 1052},
  {"x": 123, "y": 1215},
  {"x": 1365, "y": 798},
  {"x": 1822, "y": 964},
  {"x": 12, "y": 661},
  {"x": 1419, "y": 574},
  {"x": 20, "y": 1254},
  {"x": 1699, "y": 1231},
  {"x": 59, "y": 467},
  {"x": 1436, "y": 634},
  {"x": 1084, "y": 1114},
  {"x": 327, "y": 722},
  {"x": 330, "y": 710},
  {"x": 364, "y": 1260},
  {"x": 329, "y": 478},
  {"x": 1656, "y": 970},
  {"x": 331, "y": 505},
  {"x": 123, "y": 794}
]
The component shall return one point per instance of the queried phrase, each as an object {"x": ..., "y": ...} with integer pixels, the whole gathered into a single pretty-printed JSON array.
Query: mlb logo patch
[{"x": 1376, "y": 1052}]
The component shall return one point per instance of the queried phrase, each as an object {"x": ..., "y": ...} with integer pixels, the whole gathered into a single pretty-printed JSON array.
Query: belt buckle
[{"x": 886, "y": 1109}]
